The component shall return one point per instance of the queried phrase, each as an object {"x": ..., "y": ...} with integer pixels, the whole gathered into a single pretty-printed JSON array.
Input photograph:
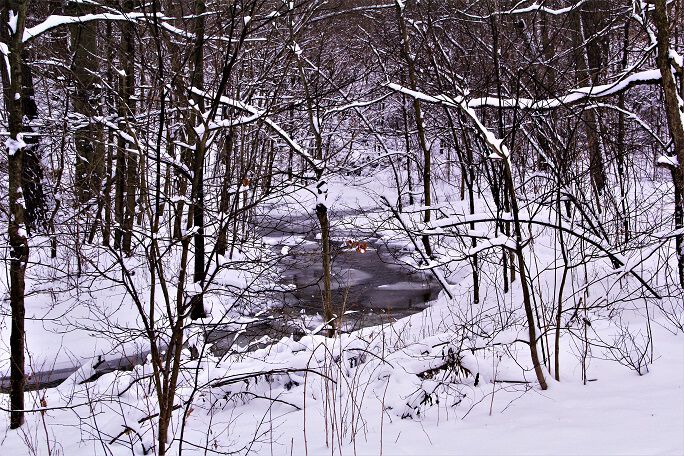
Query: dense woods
[{"x": 527, "y": 156}]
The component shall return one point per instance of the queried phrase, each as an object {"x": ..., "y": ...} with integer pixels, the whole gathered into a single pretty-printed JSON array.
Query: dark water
[
  {"x": 368, "y": 288},
  {"x": 372, "y": 284},
  {"x": 53, "y": 378}
]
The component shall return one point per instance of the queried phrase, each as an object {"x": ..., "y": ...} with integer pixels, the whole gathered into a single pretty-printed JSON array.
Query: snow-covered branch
[
  {"x": 57, "y": 20},
  {"x": 273, "y": 125}
]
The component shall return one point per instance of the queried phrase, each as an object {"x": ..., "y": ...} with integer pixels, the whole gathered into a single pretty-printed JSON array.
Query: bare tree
[{"x": 14, "y": 22}]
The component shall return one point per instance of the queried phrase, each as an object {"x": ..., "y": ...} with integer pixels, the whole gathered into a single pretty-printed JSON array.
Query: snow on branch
[
  {"x": 57, "y": 20},
  {"x": 499, "y": 241},
  {"x": 499, "y": 150},
  {"x": 414, "y": 93},
  {"x": 576, "y": 95},
  {"x": 258, "y": 113},
  {"x": 356, "y": 9},
  {"x": 143, "y": 146},
  {"x": 668, "y": 161},
  {"x": 14, "y": 145},
  {"x": 355, "y": 104},
  {"x": 536, "y": 7},
  {"x": 569, "y": 228},
  {"x": 631, "y": 115}
]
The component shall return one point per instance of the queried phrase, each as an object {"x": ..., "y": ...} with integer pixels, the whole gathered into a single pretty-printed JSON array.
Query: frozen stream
[{"x": 369, "y": 288}]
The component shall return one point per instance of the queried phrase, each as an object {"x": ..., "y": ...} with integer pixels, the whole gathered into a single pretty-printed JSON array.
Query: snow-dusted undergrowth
[{"x": 456, "y": 377}]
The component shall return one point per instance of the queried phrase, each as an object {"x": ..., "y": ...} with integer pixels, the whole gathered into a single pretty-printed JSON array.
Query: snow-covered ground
[
  {"x": 455, "y": 378},
  {"x": 363, "y": 399}
]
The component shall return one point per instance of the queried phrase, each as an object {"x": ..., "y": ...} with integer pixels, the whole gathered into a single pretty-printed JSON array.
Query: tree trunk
[
  {"x": 198, "y": 165},
  {"x": 224, "y": 202},
  {"x": 467, "y": 181},
  {"x": 420, "y": 125},
  {"x": 19, "y": 248},
  {"x": 590, "y": 62},
  {"x": 31, "y": 168},
  {"x": 87, "y": 138},
  {"x": 328, "y": 313},
  {"x": 197, "y": 190},
  {"x": 675, "y": 119},
  {"x": 127, "y": 109},
  {"x": 621, "y": 145},
  {"x": 524, "y": 283}
]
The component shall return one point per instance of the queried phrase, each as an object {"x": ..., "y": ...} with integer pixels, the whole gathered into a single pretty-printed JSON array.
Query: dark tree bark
[
  {"x": 590, "y": 61},
  {"x": 674, "y": 121},
  {"x": 324, "y": 222},
  {"x": 126, "y": 174},
  {"x": 19, "y": 248},
  {"x": 85, "y": 100},
  {"x": 224, "y": 204},
  {"x": 31, "y": 167},
  {"x": 621, "y": 146},
  {"x": 409, "y": 59},
  {"x": 199, "y": 141}
]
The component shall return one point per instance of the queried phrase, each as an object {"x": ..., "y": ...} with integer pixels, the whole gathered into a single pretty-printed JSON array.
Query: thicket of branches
[{"x": 146, "y": 139}]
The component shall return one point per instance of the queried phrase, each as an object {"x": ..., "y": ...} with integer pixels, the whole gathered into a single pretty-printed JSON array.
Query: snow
[
  {"x": 21, "y": 230},
  {"x": 616, "y": 413},
  {"x": 13, "y": 17},
  {"x": 57, "y": 20},
  {"x": 381, "y": 400},
  {"x": 14, "y": 145},
  {"x": 677, "y": 58},
  {"x": 413, "y": 93},
  {"x": 451, "y": 376},
  {"x": 499, "y": 241},
  {"x": 535, "y": 7},
  {"x": 296, "y": 49},
  {"x": 4, "y": 50},
  {"x": 499, "y": 150},
  {"x": 668, "y": 160},
  {"x": 355, "y": 105},
  {"x": 267, "y": 120},
  {"x": 575, "y": 96},
  {"x": 227, "y": 123}
]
